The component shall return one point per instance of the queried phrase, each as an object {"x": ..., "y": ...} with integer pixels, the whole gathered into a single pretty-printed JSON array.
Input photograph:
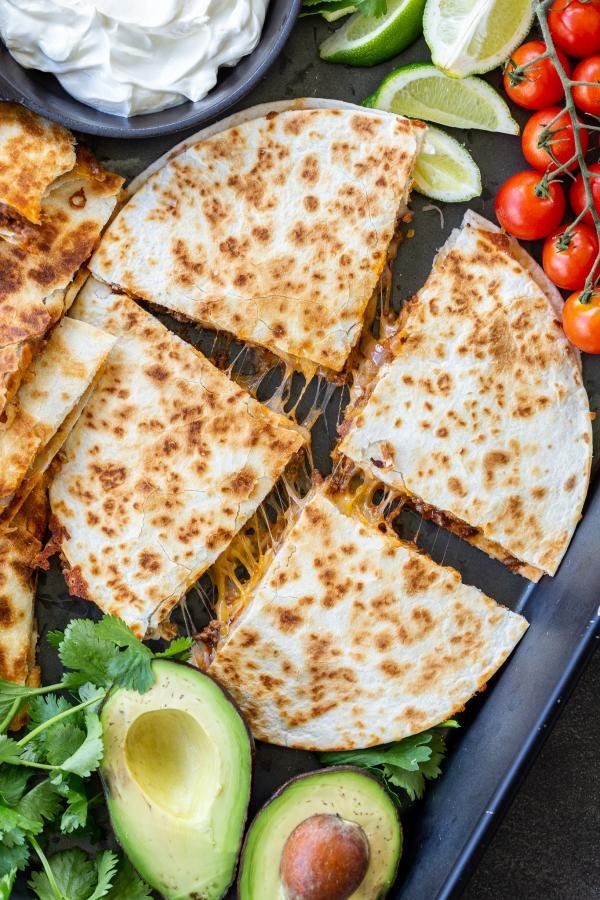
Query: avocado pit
[{"x": 324, "y": 858}]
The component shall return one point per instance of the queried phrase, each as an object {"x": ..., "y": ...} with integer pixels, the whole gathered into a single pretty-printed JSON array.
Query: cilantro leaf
[
  {"x": 81, "y": 649},
  {"x": 375, "y": 8},
  {"x": 62, "y": 740},
  {"x": 44, "y": 708},
  {"x": 88, "y": 755},
  {"x": 128, "y": 885},
  {"x": 75, "y": 875},
  {"x": 13, "y": 781},
  {"x": 75, "y": 815},
  {"x": 106, "y": 865},
  {"x": 105, "y": 653},
  {"x": 6, "y": 883},
  {"x": 41, "y": 802},
  {"x": 180, "y": 648},
  {"x": 9, "y": 749},
  {"x": 15, "y": 857},
  {"x": 405, "y": 764}
]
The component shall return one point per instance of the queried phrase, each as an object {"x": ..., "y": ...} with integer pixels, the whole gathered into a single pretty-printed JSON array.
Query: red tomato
[
  {"x": 523, "y": 213},
  {"x": 581, "y": 321},
  {"x": 568, "y": 261},
  {"x": 575, "y": 26},
  {"x": 558, "y": 140},
  {"x": 587, "y": 98},
  {"x": 577, "y": 193},
  {"x": 538, "y": 85}
]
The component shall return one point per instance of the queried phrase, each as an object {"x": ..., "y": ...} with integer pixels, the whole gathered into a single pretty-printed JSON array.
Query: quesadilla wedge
[
  {"x": 33, "y": 154},
  {"x": 477, "y": 413},
  {"x": 38, "y": 262},
  {"x": 19, "y": 546},
  {"x": 168, "y": 460},
  {"x": 353, "y": 637},
  {"x": 37, "y": 421},
  {"x": 276, "y": 230}
]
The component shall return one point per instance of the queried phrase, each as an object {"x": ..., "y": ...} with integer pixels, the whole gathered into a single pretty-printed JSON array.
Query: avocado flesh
[
  {"x": 349, "y": 793},
  {"x": 176, "y": 770}
]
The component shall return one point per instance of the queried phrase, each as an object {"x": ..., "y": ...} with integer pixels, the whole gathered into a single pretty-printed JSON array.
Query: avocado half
[
  {"x": 345, "y": 791},
  {"x": 177, "y": 773}
]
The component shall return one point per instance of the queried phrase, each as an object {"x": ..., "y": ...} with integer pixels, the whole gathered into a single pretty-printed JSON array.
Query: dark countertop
[{"x": 549, "y": 843}]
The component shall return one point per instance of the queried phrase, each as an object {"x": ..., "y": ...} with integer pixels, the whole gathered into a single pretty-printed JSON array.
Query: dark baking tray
[{"x": 505, "y": 726}]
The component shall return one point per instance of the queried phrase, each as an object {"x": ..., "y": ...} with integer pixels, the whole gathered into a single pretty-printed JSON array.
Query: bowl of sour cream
[{"x": 137, "y": 68}]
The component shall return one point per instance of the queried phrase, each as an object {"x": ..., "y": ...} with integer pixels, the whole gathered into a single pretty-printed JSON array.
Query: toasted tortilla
[
  {"x": 38, "y": 262},
  {"x": 168, "y": 460},
  {"x": 275, "y": 230},
  {"x": 354, "y": 638},
  {"x": 33, "y": 154},
  {"x": 33, "y": 431},
  {"x": 478, "y": 413},
  {"x": 19, "y": 545}
]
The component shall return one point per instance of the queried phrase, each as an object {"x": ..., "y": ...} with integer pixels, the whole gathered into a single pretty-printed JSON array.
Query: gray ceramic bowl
[{"x": 43, "y": 94}]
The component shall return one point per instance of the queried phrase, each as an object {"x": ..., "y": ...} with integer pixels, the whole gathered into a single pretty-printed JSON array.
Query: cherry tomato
[
  {"x": 577, "y": 196},
  {"x": 569, "y": 260},
  {"x": 575, "y": 26},
  {"x": 559, "y": 139},
  {"x": 523, "y": 212},
  {"x": 581, "y": 321},
  {"x": 587, "y": 98},
  {"x": 539, "y": 84}
]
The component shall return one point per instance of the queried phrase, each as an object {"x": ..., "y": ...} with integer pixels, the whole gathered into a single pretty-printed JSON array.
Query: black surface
[
  {"x": 503, "y": 727},
  {"x": 547, "y": 847},
  {"x": 43, "y": 93}
]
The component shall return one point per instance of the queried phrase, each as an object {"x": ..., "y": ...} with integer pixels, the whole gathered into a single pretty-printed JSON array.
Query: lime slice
[
  {"x": 367, "y": 40},
  {"x": 468, "y": 37},
  {"x": 423, "y": 92},
  {"x": 445, "y": 170}
]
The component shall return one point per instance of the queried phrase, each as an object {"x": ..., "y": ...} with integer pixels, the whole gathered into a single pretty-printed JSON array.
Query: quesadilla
[
  {"x": 33, "y": 154},
  {"x": 168, "y": 460},
  {"x": 38, "y": 420},
  {"x": 276, "y": 230},
  {"x": 19, "y": 545},
  {"x": 39, "y": 262},
  {"x": 353, "y": 637},
  {"x": 477, "y": 413}
]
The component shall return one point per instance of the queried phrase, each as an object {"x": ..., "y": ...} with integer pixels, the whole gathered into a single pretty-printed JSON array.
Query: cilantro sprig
[
  {"x": 44, "y": 773},
  {"x": 405, "y": 765}
]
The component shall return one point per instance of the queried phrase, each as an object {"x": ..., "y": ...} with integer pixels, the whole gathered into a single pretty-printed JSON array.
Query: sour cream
[{"x": 132, "y": 56}]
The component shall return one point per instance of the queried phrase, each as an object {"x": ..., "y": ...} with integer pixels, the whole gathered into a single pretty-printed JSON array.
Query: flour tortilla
[
  {"x": 480, "y": 411},
  {"x": 168, "y": 460},
  {"x": 38, "y": 263},
  {"x": 56, "y": 382},
  {"x": 19, "y": 545},
  {"x": 354, "y": 638},
  {"x": 33, "y": 154},
  {"x": 275, "y": 230}
]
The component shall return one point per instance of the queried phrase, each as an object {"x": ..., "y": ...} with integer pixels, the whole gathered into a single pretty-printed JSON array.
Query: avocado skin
[
  {"x": 332, "y": 772},
  {"x": 114, "y": 803}
]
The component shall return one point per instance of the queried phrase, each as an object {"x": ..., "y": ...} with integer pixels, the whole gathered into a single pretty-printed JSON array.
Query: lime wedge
[
  {"x": 445, "y": 170},
  {"x": 367, "y": 40},
  {"x": 421, "y": 91},
  {"x": 468, "y": 37}
]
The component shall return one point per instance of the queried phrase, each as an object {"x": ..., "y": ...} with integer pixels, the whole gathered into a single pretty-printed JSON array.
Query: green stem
[
  {"x": 47, "y": 869},
  {"x": 62, "y": 715},
  {"x": 540, "y": 11},
  {"x": 11, "y": 714}
]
